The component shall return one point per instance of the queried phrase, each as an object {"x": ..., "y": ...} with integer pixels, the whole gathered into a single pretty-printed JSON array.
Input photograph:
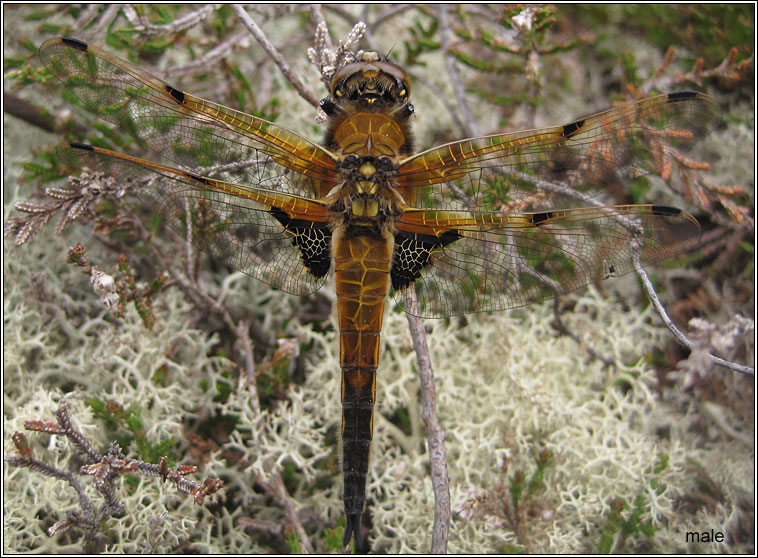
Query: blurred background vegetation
[{"x": 569, "y": 61}]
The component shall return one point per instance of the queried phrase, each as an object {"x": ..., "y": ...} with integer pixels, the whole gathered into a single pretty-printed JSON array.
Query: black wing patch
[
  {"x": 313, "y": 239},
  {"x": 413, "y": 252}
]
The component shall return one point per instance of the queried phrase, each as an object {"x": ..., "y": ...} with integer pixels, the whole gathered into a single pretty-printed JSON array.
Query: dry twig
[
  {"x": 104, "y": 470},
  {"x": 678, "y": 335},
  {"x": 183, "y": 23},
  {"x": 434, "y": 432},
  {"x": 275, "y": 55}
]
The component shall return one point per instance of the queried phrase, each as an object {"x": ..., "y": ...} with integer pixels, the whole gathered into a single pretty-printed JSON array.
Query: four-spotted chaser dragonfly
[{"x": 479, "y": 224}]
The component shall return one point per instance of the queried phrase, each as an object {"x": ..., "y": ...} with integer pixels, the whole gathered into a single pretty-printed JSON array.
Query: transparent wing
[
  {"x": 275, "y": 237},
  {"x": 465, "y": 262},
  {"x": 188, "y": 131},
  {"x": 554, "y": 167}
]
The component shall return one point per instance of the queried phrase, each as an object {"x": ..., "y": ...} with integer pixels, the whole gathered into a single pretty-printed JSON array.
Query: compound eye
[{"x": 404, "y": 88}]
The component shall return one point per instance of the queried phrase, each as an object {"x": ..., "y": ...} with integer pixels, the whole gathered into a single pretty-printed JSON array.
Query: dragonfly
[{"x": 479, "y": 224}]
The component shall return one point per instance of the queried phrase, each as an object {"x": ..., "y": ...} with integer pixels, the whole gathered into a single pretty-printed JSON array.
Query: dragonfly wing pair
[{"x": 495, "y": 195}]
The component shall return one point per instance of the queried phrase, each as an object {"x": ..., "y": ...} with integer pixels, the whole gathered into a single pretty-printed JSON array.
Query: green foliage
[
  {"x": 480, "y": 64},
  {"x": 708, "y": 30},
  {"x": 28, "y": 46},
  {"x": 402, "y": 419},
  {"x": 518, "y": 485},
  {"x": 13, "y": 63},
  {"x": 537, "y": 482},
  {"x": 161, "y": 375},
  {"x": 119, "y": 39},
  {"x": 619, "y": 526},
  {"x": 333, "y": 537},
  {"x": 293, "y": 541},
  {"x": 501, "y": 48},
  {"x": 223, "y": 20},
  {"x": 25, "y": 73},
  {"x": 52, "y": 29},
  {"x": 154, "y": 48},
  {"x": 422, "y": 39},
  {"x": 39, "y": 13},
  {"x": 523, "y": 490},
  {"x": 127, "y": 427},
  {"x": 629, "y": 64},
  {"x": 750, "y": 250},
  {"x": 49, "y": 169},
  {"x": 543, "y": 21},
  {"x": 224, "y": 389},
  {"x": 638, "y": 189}
]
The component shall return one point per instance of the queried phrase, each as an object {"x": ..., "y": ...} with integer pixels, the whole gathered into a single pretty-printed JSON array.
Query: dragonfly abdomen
[{"x": 362, "y": 277}]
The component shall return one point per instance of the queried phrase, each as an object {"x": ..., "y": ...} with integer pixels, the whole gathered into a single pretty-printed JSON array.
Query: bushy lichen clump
[
  {"x": 57, "y": 341},
  {"x": 508, "y": 388}
]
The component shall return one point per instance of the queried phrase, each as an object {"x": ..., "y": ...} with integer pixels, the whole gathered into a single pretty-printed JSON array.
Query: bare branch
[
  {"x": 36, "y": 115},
  {"x": 111, "y": 13},
  {"x": 103, "y": 469},
  {"x": 277, "y": 489},
  {"x": 680, "y": 337},
  {"x": 275, "y": 55},
  {"x": 435, "y": 433},
  {"x": 209, "y": 58},
  {"x": 148, "y": 29},
  {"x": 87, "y": 189}
]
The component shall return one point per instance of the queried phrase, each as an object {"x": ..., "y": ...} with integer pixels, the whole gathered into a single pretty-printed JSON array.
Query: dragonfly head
[{"x": 371, "y": 82}]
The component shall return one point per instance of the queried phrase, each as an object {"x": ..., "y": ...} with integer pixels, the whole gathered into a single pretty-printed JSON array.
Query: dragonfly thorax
[{"x": 366, "y": 196}]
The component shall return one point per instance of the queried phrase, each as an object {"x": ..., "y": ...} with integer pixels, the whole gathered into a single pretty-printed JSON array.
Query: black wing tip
[
  {"x": 665, "y": 210},
  {"x": 80, "y": 145},
  {"x": 352, "y": 528},
  {"x": 677, "y": 96},
  {"x": 75, "y": 43}
]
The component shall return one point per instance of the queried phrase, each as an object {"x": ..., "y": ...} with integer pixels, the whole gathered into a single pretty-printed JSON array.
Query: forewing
[
  {"x": 555, "y": 167},
  {"x": 463, "y": 262},
  {"x": 281, "y": 239},
  {"x": 191, "y": 132}
]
